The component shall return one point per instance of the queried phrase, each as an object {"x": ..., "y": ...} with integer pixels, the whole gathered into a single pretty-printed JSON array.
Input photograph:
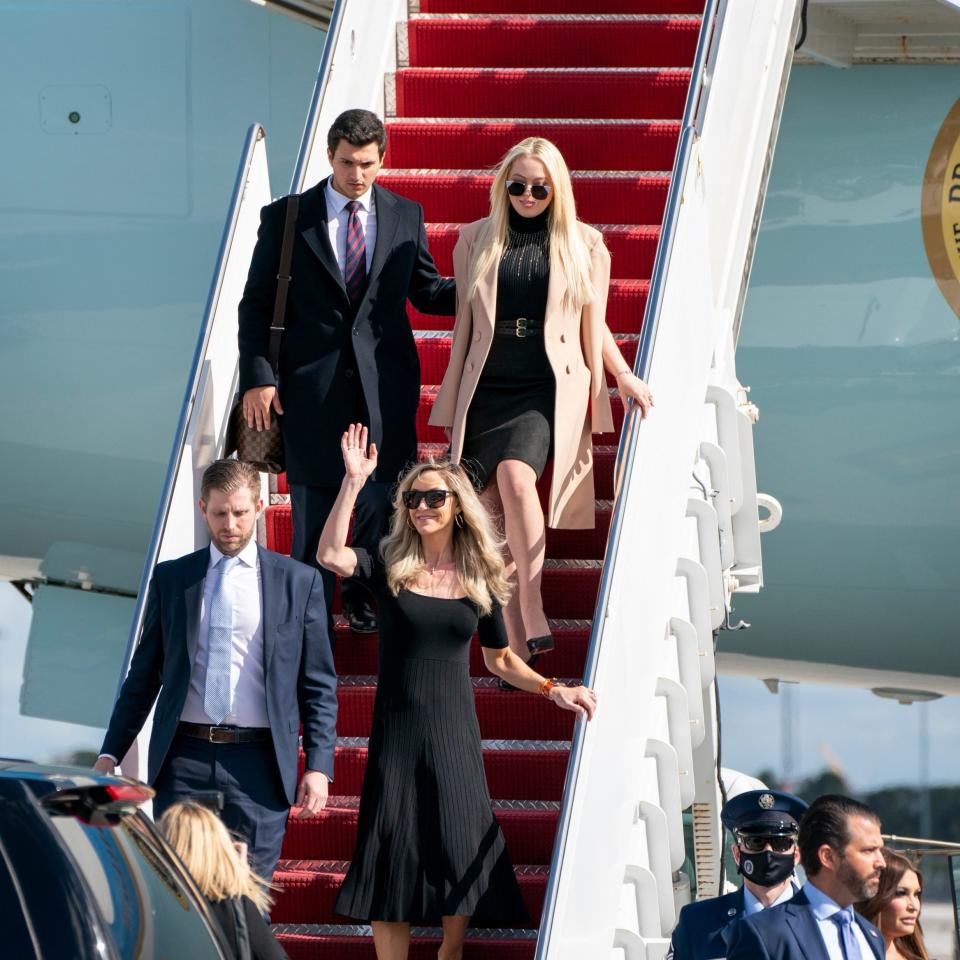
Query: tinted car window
[
  {"x": 17, "y": 935},
  {"x": 149, "y": 910}
]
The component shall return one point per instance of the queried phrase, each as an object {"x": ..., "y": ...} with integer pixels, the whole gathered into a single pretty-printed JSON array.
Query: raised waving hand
[{"x": 359, "y": 460}]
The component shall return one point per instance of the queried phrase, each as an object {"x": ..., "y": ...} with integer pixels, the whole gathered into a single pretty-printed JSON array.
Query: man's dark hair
[
  {"x": 358, "y": 128},
  {"x": 826, "y": 821}
]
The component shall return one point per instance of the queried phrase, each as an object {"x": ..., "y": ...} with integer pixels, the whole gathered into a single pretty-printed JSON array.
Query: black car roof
[{"x": 45, "y": 778}]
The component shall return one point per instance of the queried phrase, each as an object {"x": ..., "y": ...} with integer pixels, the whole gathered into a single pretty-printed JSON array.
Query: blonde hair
[
  {"x": 569, "y": 254},
  {"x": 206, "y": 848},
  {"x": 477, "y": 552}
]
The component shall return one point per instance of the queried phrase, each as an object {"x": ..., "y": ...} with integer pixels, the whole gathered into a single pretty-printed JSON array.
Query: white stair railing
[
  {"x": 210, "y": 389},
  {"x": 685, "y": 530}
]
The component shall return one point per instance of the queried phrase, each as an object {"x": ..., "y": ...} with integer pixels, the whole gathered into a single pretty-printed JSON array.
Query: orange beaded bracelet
[{"x": 546, "y": 686}]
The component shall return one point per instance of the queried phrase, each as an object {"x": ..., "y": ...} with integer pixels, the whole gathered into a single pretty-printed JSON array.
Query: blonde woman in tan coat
[{"x": 526, "y": 376}]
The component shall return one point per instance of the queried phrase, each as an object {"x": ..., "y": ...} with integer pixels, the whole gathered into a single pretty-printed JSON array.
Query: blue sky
[{"x": 875, "y": 741}]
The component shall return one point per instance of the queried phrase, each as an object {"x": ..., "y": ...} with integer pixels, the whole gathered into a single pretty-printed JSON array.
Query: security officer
[{"x": 764, "y": 824}]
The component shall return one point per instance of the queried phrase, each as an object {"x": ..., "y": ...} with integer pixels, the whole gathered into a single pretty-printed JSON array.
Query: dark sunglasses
[
  {"x": 757, "y": 844},
  {"x": 539, "y": 191},
  {"x": 433, "y": 498}
]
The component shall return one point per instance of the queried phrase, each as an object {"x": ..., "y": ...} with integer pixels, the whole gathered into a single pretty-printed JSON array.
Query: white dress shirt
[
  {"x": 752, "y": 905},
  {"x": 248, "y": 692},
  {"x": 337, "y": 218},
  {"x": 824, "y": 908}
]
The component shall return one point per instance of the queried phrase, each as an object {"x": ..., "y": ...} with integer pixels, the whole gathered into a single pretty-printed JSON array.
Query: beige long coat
[{"x": 573, "y": 343}]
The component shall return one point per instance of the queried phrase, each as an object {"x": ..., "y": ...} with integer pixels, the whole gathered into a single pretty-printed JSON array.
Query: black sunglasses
[
  {"x": 433, "y": 498},
  {"x": 757, "y": 844},
  {"x": 539, "y": 191}
]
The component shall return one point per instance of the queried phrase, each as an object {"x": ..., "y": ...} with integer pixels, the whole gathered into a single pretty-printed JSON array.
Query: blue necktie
[
  {"x": 216, "y": 691},
  {"x": 848, "y": 939}
]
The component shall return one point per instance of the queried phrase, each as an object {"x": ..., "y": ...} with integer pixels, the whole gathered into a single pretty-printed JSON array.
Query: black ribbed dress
[
  {"x": 511, "y": 413},
  {"x": 428, "y": 844}
]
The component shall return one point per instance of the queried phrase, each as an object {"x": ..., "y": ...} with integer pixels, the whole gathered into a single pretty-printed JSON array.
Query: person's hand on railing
[
  {"x": 257, "y": 402},
  {"x": 357, "y": 459},
  {"x": 631, "y": 387},
  {"x": 581, "y": 700}
]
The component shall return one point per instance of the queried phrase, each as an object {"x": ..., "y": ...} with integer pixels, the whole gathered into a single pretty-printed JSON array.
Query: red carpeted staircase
[{"x": 605, "y": 80}]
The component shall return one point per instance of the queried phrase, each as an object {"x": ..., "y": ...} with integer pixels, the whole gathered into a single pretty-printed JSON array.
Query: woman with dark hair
[{"x": 895, "y": 908}]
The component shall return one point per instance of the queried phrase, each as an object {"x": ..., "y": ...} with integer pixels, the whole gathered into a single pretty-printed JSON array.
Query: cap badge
[{"x": 766, "y": 801}]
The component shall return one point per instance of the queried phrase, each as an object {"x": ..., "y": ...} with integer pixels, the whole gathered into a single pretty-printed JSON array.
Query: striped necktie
[
  {"x": 355, "y": 264},
  {"x": 217, "y": 694}
]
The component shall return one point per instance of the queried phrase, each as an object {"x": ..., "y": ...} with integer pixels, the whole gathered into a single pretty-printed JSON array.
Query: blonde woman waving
[
  {"x": 526, "y": 375},
  {"x": 429, "y": 850}
]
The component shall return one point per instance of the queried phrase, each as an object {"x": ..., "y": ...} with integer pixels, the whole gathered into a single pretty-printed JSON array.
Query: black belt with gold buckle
[
  {"x": 223, "y": 733},
  {"x": 520, "y": 327}
]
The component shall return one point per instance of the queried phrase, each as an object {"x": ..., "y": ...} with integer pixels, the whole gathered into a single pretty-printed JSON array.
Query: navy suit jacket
[
  {"x": 704, "y": 927},
  {"x": 790, "y": 932},
  {"x": 337, "y": 365},
  {"x": 300, "y": 680}
]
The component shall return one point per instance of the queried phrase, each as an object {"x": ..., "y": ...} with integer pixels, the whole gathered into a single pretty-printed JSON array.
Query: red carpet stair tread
[
  {"x": 310, "y": 888},
  {"x": 561, "y": 544},
  {"x": 632, "y": 249},
  {"x": 434, "y": 352},
  {"x": 305, "y": 945},
  {"x": 529, "y": 41},
  {"x": 357, "y": 656},
  {"x": 331, "y": 836},
  {"x": 606, "y": 80},
  {"x": 626, "y": 301},
  {"x": 501, "y": 717},
  {"x": 584, "y": 7},
  {"x": 512, "y": 773},
  {"x": 434, "y": 434},
  {"x": 625, "y": 197},
  {"x": 578, "y": 93},
  {"x": 585, "y": 144},
  {"x": 604, "y": 460}
]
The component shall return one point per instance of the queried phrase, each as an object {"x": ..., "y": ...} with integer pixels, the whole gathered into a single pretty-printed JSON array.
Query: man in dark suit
[
  {"x": 842, "y": 855},
  {"x": 347, "y": 353},
  {"x": 235, "y": 642},
  {"x": 764, "y": 824}
]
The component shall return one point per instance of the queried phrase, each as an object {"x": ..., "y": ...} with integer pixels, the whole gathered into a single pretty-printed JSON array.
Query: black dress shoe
[{"x": 360, "y": 617}]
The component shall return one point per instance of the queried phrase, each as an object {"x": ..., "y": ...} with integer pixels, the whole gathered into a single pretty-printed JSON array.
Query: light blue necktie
[
  {"x": 216, "y": 691},
  {"x": 848, "y": 939}
]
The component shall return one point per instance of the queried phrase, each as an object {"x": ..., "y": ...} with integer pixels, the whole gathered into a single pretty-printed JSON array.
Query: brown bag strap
[{"x": 283, "y": 281}]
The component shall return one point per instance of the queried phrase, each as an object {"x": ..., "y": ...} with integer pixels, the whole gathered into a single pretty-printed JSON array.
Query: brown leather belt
[{"x": 223, "y": 734}]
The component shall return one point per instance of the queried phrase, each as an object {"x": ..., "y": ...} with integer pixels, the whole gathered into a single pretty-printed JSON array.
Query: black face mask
[{"x": 765, "y": 869}]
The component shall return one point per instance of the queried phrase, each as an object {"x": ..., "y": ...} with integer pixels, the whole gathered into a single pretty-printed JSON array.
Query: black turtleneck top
[{"x": 524, "y": 272}]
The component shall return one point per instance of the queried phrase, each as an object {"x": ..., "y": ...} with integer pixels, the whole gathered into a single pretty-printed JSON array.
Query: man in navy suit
[
  {"x": 842, "y": 855},
  {"x": 764, "y": 824},
  {"x": 235, "y": 643},
  {"x": 347, "y": 354}
]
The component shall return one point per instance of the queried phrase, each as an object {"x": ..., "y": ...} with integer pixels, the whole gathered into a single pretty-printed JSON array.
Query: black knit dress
[
  {"x": 511, "y": 414},
  {"x": 428, "y": 844}
]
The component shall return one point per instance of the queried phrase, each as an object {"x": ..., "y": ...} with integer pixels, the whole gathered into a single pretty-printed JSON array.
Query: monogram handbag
[{"x": 264, "y": 448}]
